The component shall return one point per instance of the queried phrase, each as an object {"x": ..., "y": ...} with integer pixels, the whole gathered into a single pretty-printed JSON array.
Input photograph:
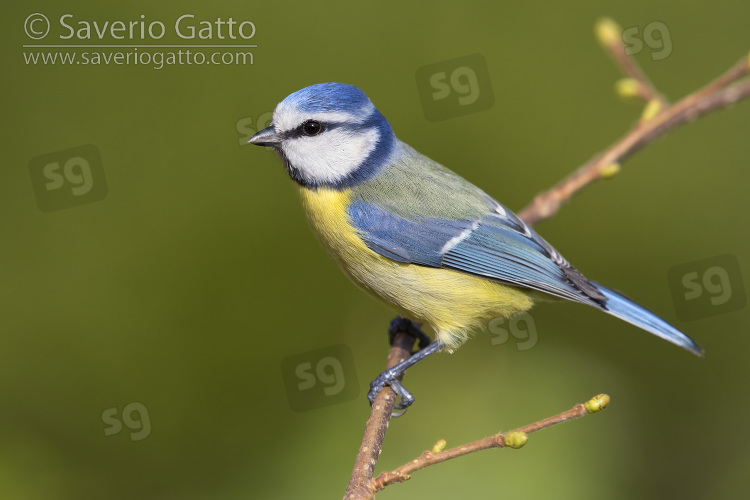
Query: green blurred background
[{"x": 186, "y": 286}]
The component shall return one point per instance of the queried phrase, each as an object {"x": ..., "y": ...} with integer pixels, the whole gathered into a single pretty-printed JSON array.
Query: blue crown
[{"x": 325, "y": 97}]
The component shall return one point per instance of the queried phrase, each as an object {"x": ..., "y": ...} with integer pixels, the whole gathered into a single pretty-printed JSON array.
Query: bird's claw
[{"x": 390, "y": 378}]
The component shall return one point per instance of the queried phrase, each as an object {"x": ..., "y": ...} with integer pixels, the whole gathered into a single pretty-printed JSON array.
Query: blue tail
[{"x": 620, "y": 306}]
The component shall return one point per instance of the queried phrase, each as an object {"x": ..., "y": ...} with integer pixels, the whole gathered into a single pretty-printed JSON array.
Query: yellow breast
[{"x": 452, "y": 303}]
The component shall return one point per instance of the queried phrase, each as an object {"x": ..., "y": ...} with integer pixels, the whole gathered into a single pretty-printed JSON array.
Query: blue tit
[{"x": 418, "y": 236}]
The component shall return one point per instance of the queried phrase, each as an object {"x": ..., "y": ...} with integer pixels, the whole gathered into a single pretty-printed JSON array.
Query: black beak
[{"x": 266, "y": 137}]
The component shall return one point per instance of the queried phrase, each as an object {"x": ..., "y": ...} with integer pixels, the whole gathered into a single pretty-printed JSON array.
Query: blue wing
[
  {"x": 498, "y": 246},
  {"x": 501, "y": 247}
]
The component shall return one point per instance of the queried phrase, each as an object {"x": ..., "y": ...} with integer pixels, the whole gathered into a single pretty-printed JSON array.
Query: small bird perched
[{"x": 415, "y": 234}]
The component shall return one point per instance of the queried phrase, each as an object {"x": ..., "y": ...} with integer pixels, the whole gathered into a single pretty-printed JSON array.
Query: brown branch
[
  {"x": 657, "y": 121},
  {"x": 513, "y": 439},
  {"x": 380, "y": 415}
]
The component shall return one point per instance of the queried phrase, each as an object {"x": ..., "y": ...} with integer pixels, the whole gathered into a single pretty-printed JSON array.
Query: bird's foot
[{"x": 391, "y": 376}]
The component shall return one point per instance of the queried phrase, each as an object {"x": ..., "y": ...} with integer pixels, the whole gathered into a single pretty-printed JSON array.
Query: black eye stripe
[{"x": 298, "y": 131}]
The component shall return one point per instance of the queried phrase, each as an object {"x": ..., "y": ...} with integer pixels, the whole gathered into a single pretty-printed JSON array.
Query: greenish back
[{"x": 416, "y": 186}]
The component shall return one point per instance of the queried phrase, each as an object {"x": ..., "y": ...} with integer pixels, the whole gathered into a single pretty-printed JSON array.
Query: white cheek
[{"x": 332, "y": 155}]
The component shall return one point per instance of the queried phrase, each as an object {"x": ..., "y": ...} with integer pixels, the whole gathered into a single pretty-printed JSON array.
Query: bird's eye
[{"x": 311, "y": 127}]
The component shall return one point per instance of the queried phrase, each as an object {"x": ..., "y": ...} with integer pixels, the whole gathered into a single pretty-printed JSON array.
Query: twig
[
  {"x": 513, "y": 439},
  {"x": 657, "y": 120},
  {"x": 380, "y": 415},
  {"x": 610, "y": 36}
]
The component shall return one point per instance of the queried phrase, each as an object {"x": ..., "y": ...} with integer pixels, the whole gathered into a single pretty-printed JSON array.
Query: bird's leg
[{"x": 390, "y": 376}]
